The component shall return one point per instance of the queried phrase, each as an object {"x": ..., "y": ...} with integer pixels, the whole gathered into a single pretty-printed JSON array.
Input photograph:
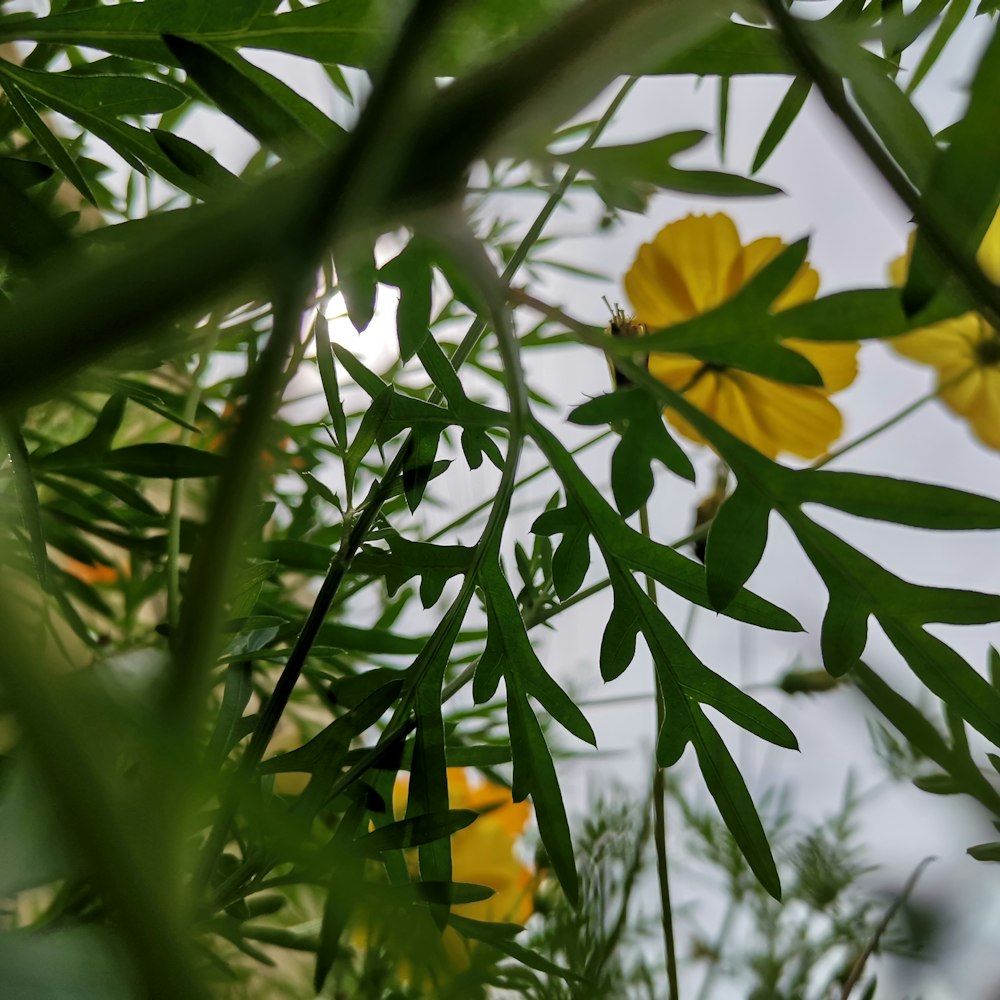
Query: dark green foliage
[{"x": 205, "y": 739}]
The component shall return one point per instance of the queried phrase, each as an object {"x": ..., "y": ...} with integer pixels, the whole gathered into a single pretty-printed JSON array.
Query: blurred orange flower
[
  {"x": 691, "y": 267},
  {"x": 484, "y": 852},
  {"x": 90, "y": 573},
  {"x": 964, "y": 350}
]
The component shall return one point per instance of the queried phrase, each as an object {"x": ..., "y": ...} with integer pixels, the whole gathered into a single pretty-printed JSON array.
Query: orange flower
[
  {"x": 483, "y": 853},
  {"x": 90, "y": 573}
]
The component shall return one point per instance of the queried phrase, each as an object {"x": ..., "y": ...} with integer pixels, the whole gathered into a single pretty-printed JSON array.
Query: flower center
[{"x": 987, "y": 351}]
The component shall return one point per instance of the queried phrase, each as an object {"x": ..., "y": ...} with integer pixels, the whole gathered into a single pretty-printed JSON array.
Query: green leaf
[
  {"x": 648, "y": 164},
  {"x": 644, "y": 439},
  {"x": 328, "y": 376},
  {"x": 863, "y": 314},
  {"x": 27, "y": 495},
  {"x": 620, "y": 633},
  {"x": 52, "y": 145},
  {"x": 859, "y": 587},
  {"x": 418, "y": 465},
  {"x": 736, "y": 542},
  {"x": 737, "y": 334},
  {"x": 339, "y": 904},
  {"x": 415, "y": 831},
  {"x": 240, "y": 97},
  {"x": 410, "y": 272},
  {"x": 571, "y": 559},
  {"x": 898, "y": 124},
  {"x": 362, "y": 376},
  {"x": 727, "y": 788},
  {"x": 788, "y": 110},
  {"x": 325, "y": 754},
  {"x": 985, "y": 852},
  {"x": 920, "y": 505},
  {"x": 357, "y": 280},
  {"x": 963, "y": 188},
  {"x": 938, "y": 784},
  {"x": 435, "y": 565},
  {"x": 204, "y": 171},
  {"x": 684, "y": 678},
  {"x": 23, "y": 173},
  {"x": 368, "y": 640},
  {"x": 954, "y": 13},
  {"x": 156, "y": 461},
  {"x": 85, "y": 99},
  {"x": 107, "y": 96},
  {"x": 368, "y": 433},
  {"x": 683, "y": 682},
  {"x": 518, "y": 658},
  {"x": 908, "y": 719},
  {"x": 441, "y": 893},
  {"x": 499, "y": 936},
  {"x": 535, "y": 775},
  {"x": 630, "y": 548},
  {"x": 732, "y": 49},
  {"x": 235, "y": 698},
  {"x": 27, "y": 232}
]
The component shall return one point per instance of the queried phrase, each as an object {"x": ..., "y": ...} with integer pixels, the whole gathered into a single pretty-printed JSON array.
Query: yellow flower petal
[
  {"x": 792, "y": 418},
  {"x": 836, "y": 362},
  {"x": 674, "y": 370},
  {"x": 951, "y": 342},
  {"x": 802, "y": 288},
  {"x": 984, "y": 413},
  {"x": 989, "y": 250},
  {"x": 684, "y": 271}
]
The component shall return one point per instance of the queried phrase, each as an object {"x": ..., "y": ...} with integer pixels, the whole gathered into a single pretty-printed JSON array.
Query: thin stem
[
  {"x": 859, "y": 965},
  {"x": 888, "y": 422},
  {"x": 523, "y": 481},
  {"x": 478, "y": 328},
  {"x": 660, "y": 815},
  {"x": 937, "y": 231},
  {"x": 725, "y": 928},
  {"x": 188, "y": 414}
]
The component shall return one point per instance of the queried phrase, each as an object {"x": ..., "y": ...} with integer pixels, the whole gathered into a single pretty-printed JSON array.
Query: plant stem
[
  {"x": 936, "y": 230},
  {"x": 859, "y": 965},
  {"x": 721, "y": 938},
  {"x": 887, "y": 423},
  {"x": 660, "y": 816},
  {"x": 523, "y": 481},
  {"x": 189, "y": 413}
]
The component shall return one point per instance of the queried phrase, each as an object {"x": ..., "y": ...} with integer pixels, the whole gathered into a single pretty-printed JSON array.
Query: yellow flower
[
  {"x": 483, "y": 853},
  {"x": 964, "y": 350},
  {"x": 693, "y": 266}
]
